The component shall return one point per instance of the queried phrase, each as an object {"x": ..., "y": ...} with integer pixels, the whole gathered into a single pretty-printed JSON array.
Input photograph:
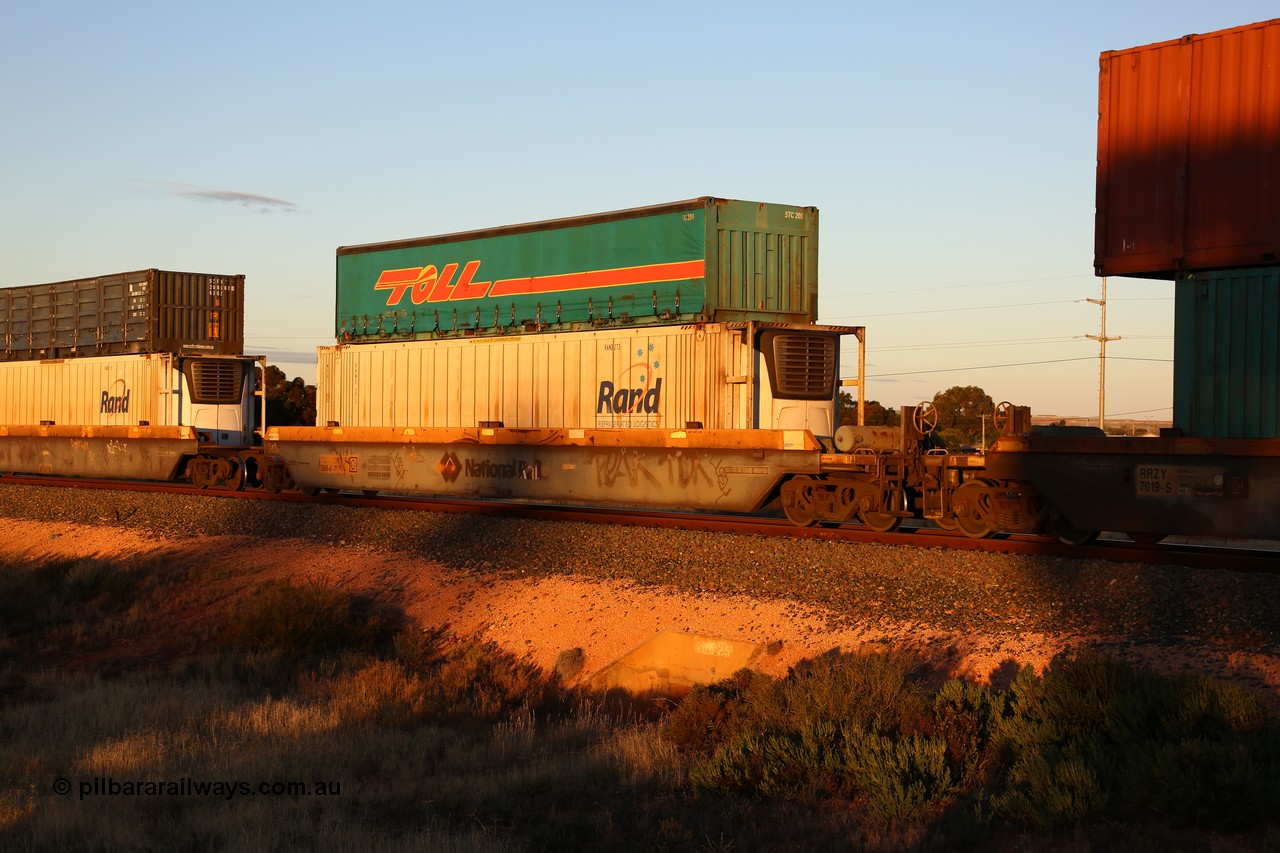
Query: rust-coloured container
[{"x": 1189, "y": 154}]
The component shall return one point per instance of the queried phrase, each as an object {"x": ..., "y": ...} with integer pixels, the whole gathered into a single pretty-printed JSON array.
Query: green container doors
[
  {"x": 694, "y": 261},
  {"x": 762, "y": 262},
  {"x": 1226, "y": 358}
]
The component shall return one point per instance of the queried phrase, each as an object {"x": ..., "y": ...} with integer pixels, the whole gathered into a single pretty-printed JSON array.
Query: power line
[
  {"x": 982, "y": 367},
  {"x": 1140, "y": 412},
  {"x": 971, "y": 344},
  {"x": 988, "y": 307},
  {"x": 1008, "y": 342},
  {"x": 952, "y": 310},
  {"x": 976, "y": 284},
  {"x": 1018, "y": 364}
]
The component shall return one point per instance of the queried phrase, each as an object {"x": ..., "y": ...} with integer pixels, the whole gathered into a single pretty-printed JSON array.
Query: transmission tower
[{"x": 1102, "y": 339}]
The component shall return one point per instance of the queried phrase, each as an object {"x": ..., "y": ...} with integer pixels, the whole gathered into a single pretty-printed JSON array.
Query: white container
[
  {"x": 714, "y": 376},
  {"x": 214, "y": 395}
]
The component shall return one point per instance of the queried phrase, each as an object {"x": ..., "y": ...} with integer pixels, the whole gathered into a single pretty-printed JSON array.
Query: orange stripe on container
[{"x": 651, "y": 273}]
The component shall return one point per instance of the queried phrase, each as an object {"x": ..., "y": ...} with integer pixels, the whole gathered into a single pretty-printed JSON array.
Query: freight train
[
  {"x": 670, "y": 356},
  {"x": 135, "y": 375},
  {"x": 660, "y": 357}
]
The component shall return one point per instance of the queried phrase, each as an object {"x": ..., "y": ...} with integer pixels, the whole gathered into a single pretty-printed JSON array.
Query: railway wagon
[
  {"x": 707, "y": 376},
  {"x": 1146, "y": 487},
  {"x": 661, "y": 356},
  {"x": 700, "y": 260},
  {"x": 714, "y": 416},
  {"x": 725, "y": 470},
  {"x": 128, "y": 416},
  {"x": 1187, "y": 135},
  {"x": 133, "y": 312}
]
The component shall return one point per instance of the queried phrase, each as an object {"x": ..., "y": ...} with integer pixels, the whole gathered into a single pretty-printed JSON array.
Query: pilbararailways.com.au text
[{"x": 227, "y": 789}]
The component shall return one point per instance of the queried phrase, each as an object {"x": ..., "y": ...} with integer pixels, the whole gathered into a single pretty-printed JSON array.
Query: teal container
[
  {"x": 1226, "y": 353},
  {"x": 701, "y": 260}
]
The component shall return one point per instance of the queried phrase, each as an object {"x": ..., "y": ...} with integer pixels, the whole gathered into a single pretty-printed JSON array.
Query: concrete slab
[{"x": 671, "y": 663}]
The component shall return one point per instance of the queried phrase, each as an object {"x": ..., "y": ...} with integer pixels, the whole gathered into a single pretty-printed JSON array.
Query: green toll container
[
  {"x": 700, "y": 260},
  {"x": 1226, "y": 353}
]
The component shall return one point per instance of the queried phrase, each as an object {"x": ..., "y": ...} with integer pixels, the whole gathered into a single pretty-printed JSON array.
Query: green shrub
[
  {"x": 846, "y": 725},
  {"x": 714, "y": 714},
  {"x": 1217, "y": 783},
  {"x": 1052, "y": 790},
  {"x": 379, "y": 692},
  {"x": 1197, "y": 706},
  {"x": 90, "y": 578},
  {"x": 50, "y": 592},
  {"x": 1096, "y": 733},
  {"x": 966, "y": 718},
  {"x": 901, "y": 778},
  {"x": 477, "y": 680},
  {"x": 311, "y": 619},
  {"x": 875, "y": 692}
]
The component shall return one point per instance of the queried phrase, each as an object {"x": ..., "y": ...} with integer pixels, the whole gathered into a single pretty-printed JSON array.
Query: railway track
[{"x": 1245, "y": 557}]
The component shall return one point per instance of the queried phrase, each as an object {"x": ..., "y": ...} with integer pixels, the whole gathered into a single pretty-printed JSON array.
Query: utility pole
[{"x": 1102, "y": 339}]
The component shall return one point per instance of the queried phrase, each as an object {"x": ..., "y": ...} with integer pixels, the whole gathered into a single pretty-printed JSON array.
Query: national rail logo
[
  {"x": 449, "y": 467},
  {"x": 431, "y": 284}
]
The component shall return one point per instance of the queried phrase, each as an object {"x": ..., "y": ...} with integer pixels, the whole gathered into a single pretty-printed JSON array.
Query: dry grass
[{"x": 409, "y": 741}]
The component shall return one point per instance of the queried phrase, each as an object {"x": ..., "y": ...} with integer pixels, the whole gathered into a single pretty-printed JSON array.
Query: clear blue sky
[{"x": 950, "y": 148}]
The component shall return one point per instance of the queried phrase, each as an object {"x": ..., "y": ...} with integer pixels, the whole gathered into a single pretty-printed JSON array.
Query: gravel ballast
[{"x": 1141, "y": 611}]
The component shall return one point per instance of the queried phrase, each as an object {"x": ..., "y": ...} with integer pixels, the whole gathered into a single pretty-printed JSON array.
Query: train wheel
[
  {"x": 1147, "y": 538},
  {"x": 881, "y": 522},
  {"x": 1067, "y": 533},
  {"x": 239, "y": 475},
  {"x": 797, "y": 501},
  {"x": 275, "y": 478},
  {"x": 949, "y": 522},
  {"x": 970, "y": 503},
  {"x": 200, "y": 470}
]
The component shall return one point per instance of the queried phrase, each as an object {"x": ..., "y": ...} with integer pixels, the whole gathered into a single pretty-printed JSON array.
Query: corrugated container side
[
  {"x": 660, "y": 377},
  {"x": 199, "y": 313},
  {"x": 766, "y": 257},
  {"x": 700, "y": 260},
  {"x": 105, "y": 391},
  {"x": 134, "y": 312},
  {"x": 1226, "y": 365},
  {"x": 1189, "y": 154}
]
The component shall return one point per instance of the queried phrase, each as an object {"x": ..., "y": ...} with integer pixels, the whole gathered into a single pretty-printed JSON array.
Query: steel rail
[{"x": 1190, "y": 554}]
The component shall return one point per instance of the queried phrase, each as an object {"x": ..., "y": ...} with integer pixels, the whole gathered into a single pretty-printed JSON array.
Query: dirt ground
[{"x": 537, "y": 619}]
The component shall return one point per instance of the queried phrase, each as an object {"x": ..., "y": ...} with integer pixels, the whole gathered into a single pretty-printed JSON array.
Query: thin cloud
[
  {"x": 259, "y": 203},
  {"x": 286, "y": 356}
]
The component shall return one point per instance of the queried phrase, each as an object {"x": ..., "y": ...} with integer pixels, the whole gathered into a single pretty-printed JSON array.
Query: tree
[
  {"x": 961, "y": 410},
  {"x": 877, "y": 415},
  {"x": 289, "y": 402}
]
